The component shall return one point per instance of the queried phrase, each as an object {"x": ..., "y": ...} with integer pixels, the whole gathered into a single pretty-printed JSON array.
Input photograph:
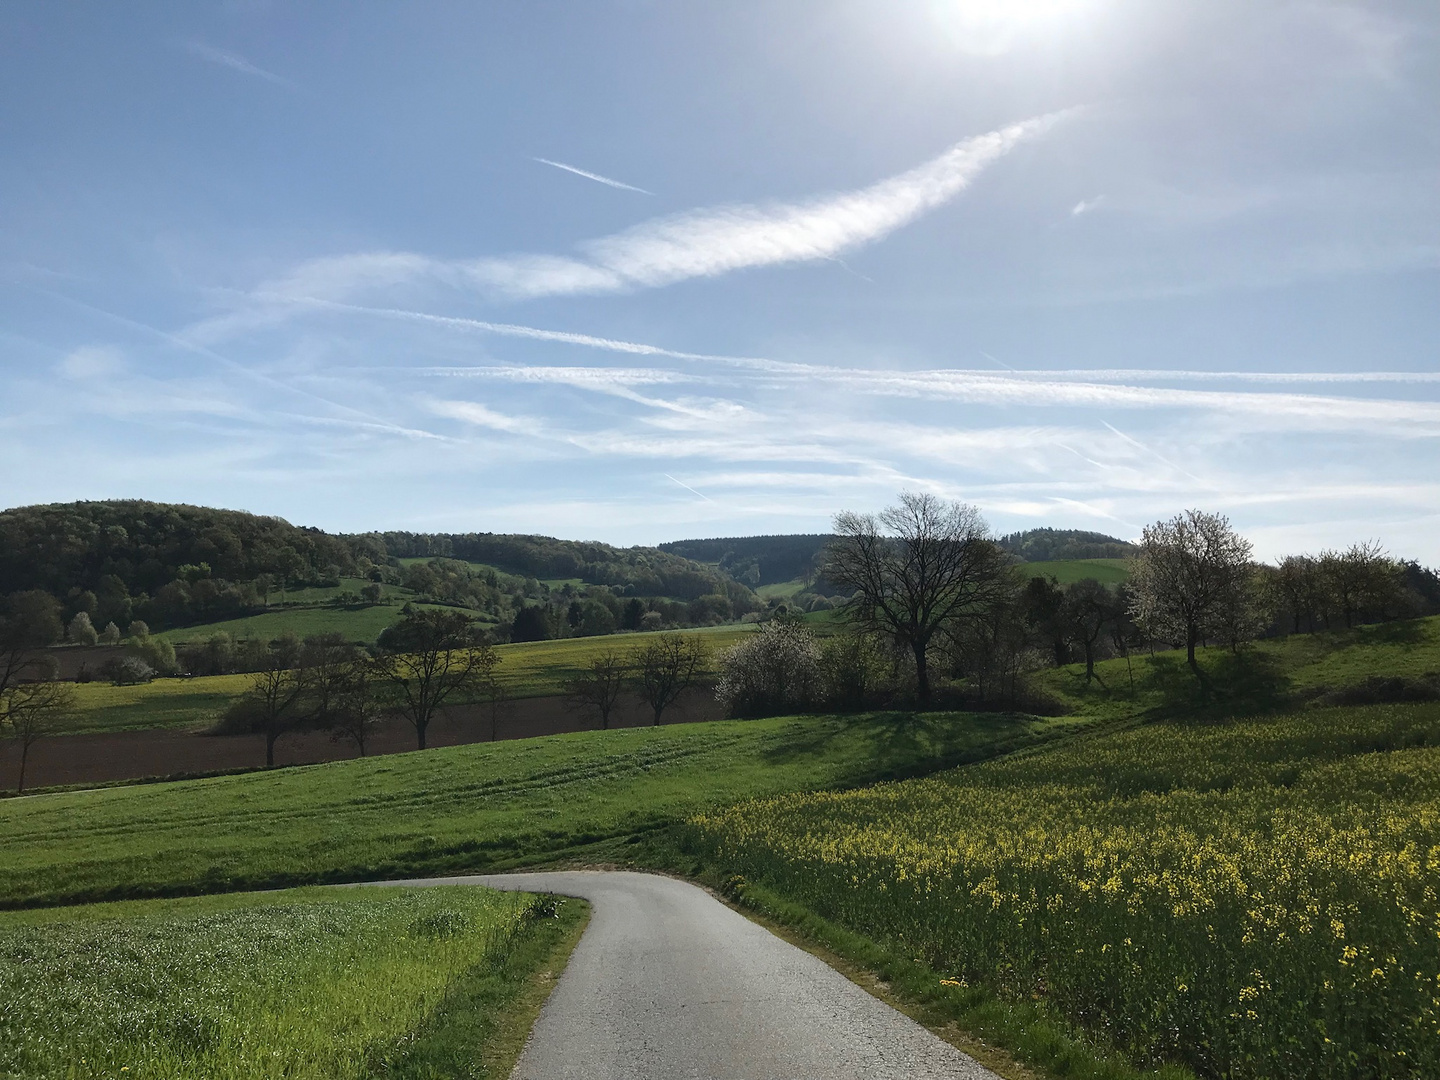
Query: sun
[{"x": 989, "y": 27}]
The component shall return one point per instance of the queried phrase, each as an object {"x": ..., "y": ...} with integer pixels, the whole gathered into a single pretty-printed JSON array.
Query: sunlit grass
[{"x": 304, "y": 984}]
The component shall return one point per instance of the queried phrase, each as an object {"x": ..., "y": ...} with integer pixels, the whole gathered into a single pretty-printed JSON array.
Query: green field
[
  {"x": 531, "y": 669},
  {"x": 1069, "y": 571},
  {"x": 1253, "y": 900},
  {"x": 164, "y": 703},
  {"x": 483, "y": 805},
  {"x": 315, "y": 983},
  {"x": 361, "y": 625},
  {"x": 1264, "y": 676}
]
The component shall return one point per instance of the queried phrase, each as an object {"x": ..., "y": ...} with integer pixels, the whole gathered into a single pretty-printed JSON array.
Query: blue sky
[{"x": 639, "y": 271}]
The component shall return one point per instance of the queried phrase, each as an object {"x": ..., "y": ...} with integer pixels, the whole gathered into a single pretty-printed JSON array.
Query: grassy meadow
[
  {"x": 1264, "y": 676},
  {"x": 316, "y": 983},
  {"x": 360, "y": 624},
  {"x": 486, "y": 805},
  {"x": 1069, "y": 571}
]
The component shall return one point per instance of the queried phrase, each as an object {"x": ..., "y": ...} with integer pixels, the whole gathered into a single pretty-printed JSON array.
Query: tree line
[{"x": 932, "y": 594}]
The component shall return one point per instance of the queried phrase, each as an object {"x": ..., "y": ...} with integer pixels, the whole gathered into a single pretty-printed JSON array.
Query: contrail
[
  {"x": 687, "y": 487},
  {"x": 593, "y": 176}
]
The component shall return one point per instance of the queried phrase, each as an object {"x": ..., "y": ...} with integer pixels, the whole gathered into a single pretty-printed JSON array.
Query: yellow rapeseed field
[{"x": 1258, "y": 899}]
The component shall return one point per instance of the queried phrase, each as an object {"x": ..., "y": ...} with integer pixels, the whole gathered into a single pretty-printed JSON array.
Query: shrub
[
  {"x": 776, "y": 670},
  {"x": 128, "y": 671}
]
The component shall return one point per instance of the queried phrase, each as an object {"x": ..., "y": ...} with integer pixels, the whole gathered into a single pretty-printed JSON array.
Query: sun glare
[{"x": 989, "y": 27}]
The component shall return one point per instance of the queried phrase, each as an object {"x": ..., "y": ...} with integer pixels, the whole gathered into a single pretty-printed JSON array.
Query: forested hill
[
  {"x": 1047, "y": 545},
  {"x": 757, "y": 560},
  {"x": 172, "y": 564},
  {"x": 765, "y": 560}
]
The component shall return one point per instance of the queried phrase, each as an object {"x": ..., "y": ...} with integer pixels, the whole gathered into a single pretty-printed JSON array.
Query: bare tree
[
  {"x": 1189, "y": 574},
  {"x": 668, "y": 666},
  {"x": 354, "y": 706},
  {"x": 29, "y": 621},
  {"x": 33, "y": 710},
  {"x": 1299, "y": 590},
  {"x": 597, "y": 689},
  {"x": 915, "y": 568},
  {"x": 1089, "y": 610},
  {"x": 431, "y": 656},
  {"x": 274, "y": 705},
  {"x": 1361, "y": 579}
]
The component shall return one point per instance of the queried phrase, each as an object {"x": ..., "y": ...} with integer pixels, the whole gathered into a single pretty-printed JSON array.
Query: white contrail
[
  {"x": 234, "y": 62},
  {"x": 592, "y": 176},
  {"x": 687, "y": 487}
]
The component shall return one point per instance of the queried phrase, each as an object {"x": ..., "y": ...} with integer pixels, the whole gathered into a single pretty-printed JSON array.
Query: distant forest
[{"x": 173, "y": 565}]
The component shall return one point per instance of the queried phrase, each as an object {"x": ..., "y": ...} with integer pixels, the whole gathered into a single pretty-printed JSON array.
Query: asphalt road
[{"x": 668, "y": 983}]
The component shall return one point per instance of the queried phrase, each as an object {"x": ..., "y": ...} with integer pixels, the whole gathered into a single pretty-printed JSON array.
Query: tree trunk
[
  {"x": 420, "y": 732},
  {"x": 24, "y": 756},
  {"x": 270, "y": 738},
  {"x": 922, "y": 673},
  {"x": 1089, "y": 661},
  {"x": 1191, "y": 636}
]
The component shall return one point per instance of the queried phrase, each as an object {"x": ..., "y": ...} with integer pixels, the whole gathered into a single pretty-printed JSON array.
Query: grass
[
  {"x": 164, "y": 703},
  {"x": 1069, "y": 571},
  {"x": 361, "y": 624},
  {"x": 1247, "y": 900},
  {"x": 532, "y": 669},
  {"x": 483, "y": 806},
  {"x": 540, "y": 668},
  {"x": 1265, "y": 676},
  {"x": 308, "y": 983}
]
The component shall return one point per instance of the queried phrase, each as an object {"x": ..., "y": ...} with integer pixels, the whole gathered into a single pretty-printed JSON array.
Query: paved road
[{"x": 670, "y": 984}]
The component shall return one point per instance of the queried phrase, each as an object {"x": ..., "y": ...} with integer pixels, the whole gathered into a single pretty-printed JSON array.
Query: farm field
[
  {"x": 530, "y": 669},
  {"x": 1069, "y": 571},
  {"x": 1250, "y": 900},
  {"x": 480, "y": 806},
  {"x": 306, "y": 984},
  {"x": 360, "y": 624}
]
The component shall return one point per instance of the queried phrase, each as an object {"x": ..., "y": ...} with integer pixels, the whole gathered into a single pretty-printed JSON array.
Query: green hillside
[
  {"x": 1069, "y": 571},
  {"x": 483, "y": 805}
]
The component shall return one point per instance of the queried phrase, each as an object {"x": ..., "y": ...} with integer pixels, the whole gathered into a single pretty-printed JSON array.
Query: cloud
[
  {"x": 91, "y": 362},
  {"x": 663, "y": 251},
  {"x": 482, "y": 416},
  {"x": 1084, "y": 206},
  {"x": 234, "y": 62},
  {"x": 593, "y": 176}
]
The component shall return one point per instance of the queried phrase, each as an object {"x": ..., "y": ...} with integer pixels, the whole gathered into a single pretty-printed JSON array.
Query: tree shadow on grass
[
  {"x": 898, "y": 744},
  {"x": 1405, "y": 632},
  {"x": 1232, "y": 685}
]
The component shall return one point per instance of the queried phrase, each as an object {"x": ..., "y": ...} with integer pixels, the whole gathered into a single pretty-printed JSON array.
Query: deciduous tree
[
  {"x": 668, "y": 666},
  {"x": 916, "y": 567},
  {"x": 597, "y": 689},
  {"x": 430, "y": 657},
  {"x": 1187, "y": 579}
]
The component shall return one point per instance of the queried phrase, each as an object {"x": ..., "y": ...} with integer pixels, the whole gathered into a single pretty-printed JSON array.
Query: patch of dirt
[{"x": 129, "y": 755}]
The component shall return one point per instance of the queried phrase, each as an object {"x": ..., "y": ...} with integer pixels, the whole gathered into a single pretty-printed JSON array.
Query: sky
[{"x": 638, "y": 271}]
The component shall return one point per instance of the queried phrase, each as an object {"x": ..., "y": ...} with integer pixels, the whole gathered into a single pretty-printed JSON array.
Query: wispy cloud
[
  {"x": 234, "y": 61},
  {"x": 696, "y": 244},
  {"x": 1084, "y": 206},
  {"x": 593, "y": 176}
]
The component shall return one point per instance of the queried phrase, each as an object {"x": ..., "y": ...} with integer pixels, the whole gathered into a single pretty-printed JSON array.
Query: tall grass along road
[{"x": 668, "y": 982}]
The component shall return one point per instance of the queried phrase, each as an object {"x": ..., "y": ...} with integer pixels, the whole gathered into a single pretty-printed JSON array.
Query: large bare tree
[
  {"x": 430, "y": 657},
  {"x": 1190, "y": 579},
  {"x": 914, "y": 569}
]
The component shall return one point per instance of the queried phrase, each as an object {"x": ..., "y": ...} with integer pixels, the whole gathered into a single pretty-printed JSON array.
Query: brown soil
[{"x": 128, "y": 755}]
